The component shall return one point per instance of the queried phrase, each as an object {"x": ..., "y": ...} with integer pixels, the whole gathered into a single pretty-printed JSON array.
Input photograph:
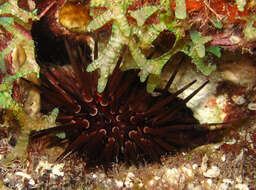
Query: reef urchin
[{"x": 123, "y": 123}]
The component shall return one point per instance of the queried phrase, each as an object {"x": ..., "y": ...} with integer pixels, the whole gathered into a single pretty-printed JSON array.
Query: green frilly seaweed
[
  {"x": 18, "y": 23},
  {"x": 123, "y": 34}
]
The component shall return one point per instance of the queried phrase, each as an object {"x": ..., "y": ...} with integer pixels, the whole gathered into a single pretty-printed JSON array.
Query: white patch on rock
[
  {"x": 129, "y": 180},
  {"x": 190, "y": 186},
  {"x": 25, "y": 175},
  {"x": 226, "y": 184},
  {"x": 140, "y": 185},
  {"x": 239, "y": 100},
  {"x": 194, "y": 166},
  {"x": 187, "y": 170},
  {"x": 199, "y": 104},
  {"x": 213, "y": 172},
  {"x": 203, "y": 167},
  {"x": 228, "y": 181},
  {"x": 56, "y": 170},
  {"x": 232, "y": 141},
  {"x": 209, "y": 182},
  {"x": 223, "y": 158},
  {"x": 240, "y": 156},
  {"x": 235, "y": 39},
  {"x": 43, "y": 165},
  {"x": 151, "y": 182},
  {"x": 223, "y": 186},
  {"x": 241, "y": 186},
  {"x": 239, "y": 179},
  {"x": 119, "y": 183},
  {"x": 19, "y": 186},
  {"x": 172, "y": 176},
  {"x": 249, "y": 139}
]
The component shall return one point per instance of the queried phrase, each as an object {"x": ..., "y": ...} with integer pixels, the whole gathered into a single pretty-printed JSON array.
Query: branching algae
[
  {"x": 123, "y": 33},
  {"x": 18, "y": 22}
]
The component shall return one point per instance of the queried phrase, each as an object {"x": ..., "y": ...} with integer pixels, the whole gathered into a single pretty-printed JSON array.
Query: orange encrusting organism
[
  {"x": 222, "y": 7},
  {"x": 229, "y": 9},
  {"x": 194, "y": 5}
]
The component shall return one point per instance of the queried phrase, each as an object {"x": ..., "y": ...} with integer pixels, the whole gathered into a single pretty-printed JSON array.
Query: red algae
[{"x": 221, "y": 7}]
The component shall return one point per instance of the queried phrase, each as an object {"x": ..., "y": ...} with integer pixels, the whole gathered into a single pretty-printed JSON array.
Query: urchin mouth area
[{"x": 124, "y": 122}]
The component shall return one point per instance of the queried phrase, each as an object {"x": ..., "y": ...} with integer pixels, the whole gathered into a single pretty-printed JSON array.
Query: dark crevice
[{"x": 49, "y": 48}]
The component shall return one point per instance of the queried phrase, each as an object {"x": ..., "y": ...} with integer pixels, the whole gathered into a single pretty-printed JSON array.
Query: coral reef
[{"x": 152, "y": 32}]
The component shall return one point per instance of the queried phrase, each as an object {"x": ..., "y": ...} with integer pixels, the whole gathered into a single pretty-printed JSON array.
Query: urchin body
[{"x": 123, "y": 123}]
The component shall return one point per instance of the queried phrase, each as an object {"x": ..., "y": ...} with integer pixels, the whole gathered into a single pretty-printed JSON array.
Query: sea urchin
[{"x": 124, "y": 123}]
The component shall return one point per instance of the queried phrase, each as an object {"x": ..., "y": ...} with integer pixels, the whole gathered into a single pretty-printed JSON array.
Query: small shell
[
  {"x": 252, "y": 106},
  {"x": 74, "y": 17}
]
